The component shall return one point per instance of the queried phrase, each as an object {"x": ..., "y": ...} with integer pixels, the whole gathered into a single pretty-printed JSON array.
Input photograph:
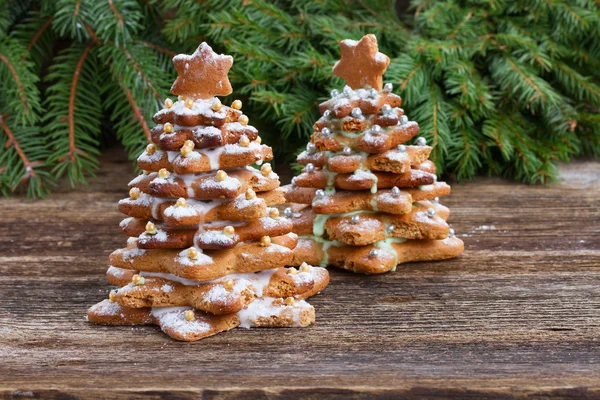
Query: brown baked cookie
[
  {"x": 202, "y": 137},
  {"x": 197, "y": 264},
  {"x": 194, "y": 212},
  {"x": 395, "y": 160},
  {"x": 369, "y": 141},
  {"x": 204, "y": 160},
  {"x": 363, "y": 180},
  {"x": 373, "y": 259},
  {"x": 391, "y": 201},
  {"x": 363, "y": 228},
  {"x": 213, "y": 185},
  {"x": 361, "y": 64},
  {"x": 188, "y": 325},
  {"x": 223, "y": 296}
]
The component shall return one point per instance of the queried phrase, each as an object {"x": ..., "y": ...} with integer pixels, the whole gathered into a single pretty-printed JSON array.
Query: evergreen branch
[
  {"x": 138, "y": 115},
  {"x": 71, "y": 110},
  {"x": 72, "y": 121},
  {"x": 18, "y": 83},
  {"x": 13, "y": 71},
  {"x": 39, "y": 33},
  {"x": 158, "y": 48},
  {"x": 12, "y": 141}
]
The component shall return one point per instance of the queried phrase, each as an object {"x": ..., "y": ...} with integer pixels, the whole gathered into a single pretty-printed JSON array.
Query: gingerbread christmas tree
[
  {"x": 367, "y": 200},
  {"x": 207, "y": 248}
]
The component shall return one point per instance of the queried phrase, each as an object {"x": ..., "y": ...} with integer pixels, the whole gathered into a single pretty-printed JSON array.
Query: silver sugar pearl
[
  {"x": 430, "y": 212},
  {"x": 403, "y": 120},
  {"x": 386, "y": 109},
  {"x": 421, "y": 141},
  {"x": 335, "y": 93},
  {"x": 375, "y": 130},
  {"x": 288, "y": 213},
  {"x": 311, "y": 148},
  {"x": 348, "y": 92},
  {"x": 326, "y": 131},
  {"x": 374, "y": 253},
  {"x": 320, "y": 193},
  {"x": 347, "y": 151},
  {"x": 390, "y": 229},
  {"x": 451, "y": 232},
  {"x": 310, "y": 168},
  {"x": 395, "y": 191},
  {"x": 436, "y": 200},
  {"x": 388, "y": 87},
  {"x": 355, "y": 219},
  {"x": 356, "y": 112},
  {"x": 401, "y": 148},
  {"x": 327, "y": 114},
  {"x": 373, "y": 93}
]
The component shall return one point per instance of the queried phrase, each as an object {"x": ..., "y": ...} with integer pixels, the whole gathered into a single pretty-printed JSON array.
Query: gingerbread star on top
[
  {"x": 361, "y": 64},
  {"x": 203, "y": 74}
]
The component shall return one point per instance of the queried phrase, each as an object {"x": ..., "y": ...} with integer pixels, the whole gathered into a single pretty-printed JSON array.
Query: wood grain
[{"x": 517, "y": 316}]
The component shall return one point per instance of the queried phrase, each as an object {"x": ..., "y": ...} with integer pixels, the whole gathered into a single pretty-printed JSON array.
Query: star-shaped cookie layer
[
  {"x": 361, "y": 64},
  {"x": 203, "y": 74}
]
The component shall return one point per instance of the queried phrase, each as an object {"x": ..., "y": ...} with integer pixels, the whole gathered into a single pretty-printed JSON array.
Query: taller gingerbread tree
[
  {"x": 367, "y": 200},
  {"x": 207, "y": 249}
]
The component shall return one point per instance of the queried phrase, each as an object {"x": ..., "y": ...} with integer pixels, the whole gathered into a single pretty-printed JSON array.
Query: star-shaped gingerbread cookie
[
  {"x": 361, "y": 64},
  {"x": 203, "y": 74}
]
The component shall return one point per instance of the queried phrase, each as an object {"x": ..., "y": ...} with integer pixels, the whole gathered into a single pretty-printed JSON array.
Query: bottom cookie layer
[{"x": 177, "y": 322}]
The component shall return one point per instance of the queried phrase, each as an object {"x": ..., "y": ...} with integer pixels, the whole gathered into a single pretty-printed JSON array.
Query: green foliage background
[{"x": 500, "y": 87}]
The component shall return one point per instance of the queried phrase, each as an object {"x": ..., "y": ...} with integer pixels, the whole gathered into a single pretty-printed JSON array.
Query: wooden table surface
[{"x": 518, "y": 315}]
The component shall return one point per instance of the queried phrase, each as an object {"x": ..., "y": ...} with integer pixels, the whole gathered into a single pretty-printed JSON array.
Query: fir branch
[
  {"x": 18, "y": 82},
  {"x": 39, "y": 33},
  {"x": 23, "y": 160},
  {"x": 74, "y": 111}
]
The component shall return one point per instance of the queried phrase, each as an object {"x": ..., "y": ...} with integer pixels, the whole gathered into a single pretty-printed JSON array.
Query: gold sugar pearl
[
  {"x": 258, "y": 140},
  {"x": 181, "y": 202},
  {"x": 151, "y": 148},
  {"x": 243, "y": 120},
  {"x": 265, "y": 241},
  {"x": 221, "y": 175},
  {"x": 228, "y": 285},
  {"x": 244, "y": 141},
  {"x": 289, "y": 301},
  {"x": 216, "y": 105},
  {"x": 236, "y": 104},
  {"x": 145, "y": 172},
  {"x": 150, "y": 227},
  {"x": 163, "y": 173},
  {"x": 274, "y": 213},
  {"x": 138, "y": 279},
  {"x": 132, "y": 243},
  {"x": 266, "y": 169},
  {"x": 168, "y": 103},
  {"x": 112, "y": 296},
  {"x": 134, "y": 193},
  {"x": 167, "y": 127},
  {"x": 229, "y": 230},
  {"x": 189, "y": 143},
  {"x": 250, "y": 194},
  {"x": 304, "y": 267},
  {"x": 189, "y": 315},
  {"x": 185, "y": 151},
  {"x": 189, "y": 103},
  {"x": 192, "y": 252},
  {"x": 292, "y": 271}
]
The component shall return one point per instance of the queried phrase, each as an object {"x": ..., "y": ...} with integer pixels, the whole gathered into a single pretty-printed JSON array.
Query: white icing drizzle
[{"x": 264, "y": 308}]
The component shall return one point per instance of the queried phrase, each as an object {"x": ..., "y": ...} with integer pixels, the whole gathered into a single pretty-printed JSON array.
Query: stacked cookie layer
[
  {"x": 366, "y": 200},
  {"x": 207, "y": 248}
]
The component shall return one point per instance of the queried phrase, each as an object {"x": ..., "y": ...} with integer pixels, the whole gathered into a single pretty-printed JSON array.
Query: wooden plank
[{"x": 516, "y": 316}]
